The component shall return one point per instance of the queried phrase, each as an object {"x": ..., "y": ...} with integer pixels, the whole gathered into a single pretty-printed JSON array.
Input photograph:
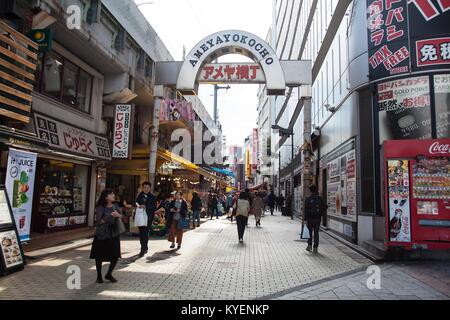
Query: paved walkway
[{"x": 210, "y": 265}]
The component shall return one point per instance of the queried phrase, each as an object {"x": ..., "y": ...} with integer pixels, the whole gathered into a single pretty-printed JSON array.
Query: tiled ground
[{"x": 210, "y": 265}]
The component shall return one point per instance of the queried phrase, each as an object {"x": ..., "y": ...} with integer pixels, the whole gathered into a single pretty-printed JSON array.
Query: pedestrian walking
[
  {"x": 271, "y": 201},
  {"x": 280, "y": 202},
  {"x": 178, "y": 211},
  {"x": 242, "y": 211},
  {"x": 314, "y": 210},
  {"x": 213, "y": 202},
  {"x": 146, "y": 200},
  {"x": 106, "y": 243},
  {"x": 289, "y": 210},
  {"x": 196, "y": 205},
  {"x": 258, "y": 208}
]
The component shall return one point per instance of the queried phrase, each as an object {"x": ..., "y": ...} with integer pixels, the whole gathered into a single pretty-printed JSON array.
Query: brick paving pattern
[{"x": 271, "y": 264}]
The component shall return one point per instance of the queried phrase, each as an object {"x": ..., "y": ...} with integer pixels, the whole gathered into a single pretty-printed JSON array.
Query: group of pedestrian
[{"x": 106, "y": 243}]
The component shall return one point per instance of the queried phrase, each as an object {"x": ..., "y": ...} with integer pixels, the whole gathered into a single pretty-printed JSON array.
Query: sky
[{"x": 185, "y": 22}]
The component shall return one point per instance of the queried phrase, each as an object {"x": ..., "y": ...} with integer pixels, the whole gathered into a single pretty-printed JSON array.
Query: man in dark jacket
[
  {"x": 146, "y": 200},
  {"x": 196, "y": 206},
  {"x": 314, "y": 210},
  {"x": 271, "y": 201}
]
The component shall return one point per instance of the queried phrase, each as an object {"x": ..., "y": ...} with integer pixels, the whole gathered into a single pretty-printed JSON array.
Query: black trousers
[
  {"x": 272, "y": 207},
  {"x": 313, "y": 227},
  {"x": 241, "y": 222},
  {"x": 143, "y": 238}
]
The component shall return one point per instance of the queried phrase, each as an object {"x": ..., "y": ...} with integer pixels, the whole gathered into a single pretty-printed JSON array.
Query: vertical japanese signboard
[
  {"x": 406, "y": 36},
  {"x": 19, "y": 184},
  {"x": 388, "y": 38},
  {"x": 122, "y": 131}
]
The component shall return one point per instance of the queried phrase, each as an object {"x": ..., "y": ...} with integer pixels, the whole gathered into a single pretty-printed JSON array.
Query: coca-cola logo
[{"x": 437, "y": 148}]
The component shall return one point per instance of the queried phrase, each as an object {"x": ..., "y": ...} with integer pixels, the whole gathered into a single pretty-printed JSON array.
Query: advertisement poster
[
  {"x": 404, "y": 109},
  {"x": 11, "y": 250},
  {"x": 122, "y": 131},
  {"x": 399, "y": 206},
  {"x": 5, "y": 217},
  {"x": 341, "y": 183},
  {"x": 19, "y": 184},
  {"x": 176, "y": 109},
  {"x": 65, "y": 137},
  {"x": 407, "y": 36}
]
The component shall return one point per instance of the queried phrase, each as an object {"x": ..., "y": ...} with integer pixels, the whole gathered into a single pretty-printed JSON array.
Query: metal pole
[{"x": 215, "y": 102}]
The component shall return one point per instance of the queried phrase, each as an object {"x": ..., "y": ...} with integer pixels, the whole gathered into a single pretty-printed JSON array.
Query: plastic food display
[{"x": 431, "y": 179}]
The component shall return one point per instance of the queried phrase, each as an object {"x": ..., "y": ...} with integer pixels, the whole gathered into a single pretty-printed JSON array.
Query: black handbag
[{"x": 110, "y": 230}]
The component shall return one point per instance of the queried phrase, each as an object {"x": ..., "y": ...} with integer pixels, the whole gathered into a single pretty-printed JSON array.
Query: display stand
[{"x": 11, "y": 254}]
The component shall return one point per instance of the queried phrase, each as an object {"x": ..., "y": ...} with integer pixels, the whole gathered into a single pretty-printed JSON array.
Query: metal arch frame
[{"x": 270, "y": 64}]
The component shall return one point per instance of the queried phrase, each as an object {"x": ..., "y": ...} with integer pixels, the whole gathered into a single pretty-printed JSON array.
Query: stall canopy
[{"x": 140, "y": 163}]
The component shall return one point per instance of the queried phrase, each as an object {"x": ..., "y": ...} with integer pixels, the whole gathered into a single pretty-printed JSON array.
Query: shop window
[
  {"x": 64, "y": 81},
  {"x": 442, "y": 104},
  {"x": 404, "y": 109},
  {"x": 63, "y": 194},
  {"x": 70, "y": 84},
  {"x": 53, "y": 67},
  {"x": 84, "y": 91}
]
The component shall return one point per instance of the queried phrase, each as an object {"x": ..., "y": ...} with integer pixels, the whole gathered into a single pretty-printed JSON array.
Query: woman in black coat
[
  {"x": 177, "y": 210},
  {"x": 107, "y": 249}
]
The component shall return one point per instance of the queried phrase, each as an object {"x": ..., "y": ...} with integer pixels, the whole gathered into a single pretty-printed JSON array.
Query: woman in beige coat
[{"x": 257, "y": 208}]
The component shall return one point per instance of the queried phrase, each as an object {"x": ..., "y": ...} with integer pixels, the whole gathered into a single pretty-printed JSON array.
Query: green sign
[{"x": 43, "y": 37}]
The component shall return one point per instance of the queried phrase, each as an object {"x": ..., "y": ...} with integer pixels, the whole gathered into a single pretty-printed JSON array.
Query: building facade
[{"x": 380, "y": 72}]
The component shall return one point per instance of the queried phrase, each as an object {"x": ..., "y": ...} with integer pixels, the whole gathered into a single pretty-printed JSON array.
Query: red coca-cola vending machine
[{"x": 417, "y": 193}]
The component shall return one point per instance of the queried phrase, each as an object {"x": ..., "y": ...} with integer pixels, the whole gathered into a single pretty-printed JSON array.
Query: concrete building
[{"x": 344, "y": 39}]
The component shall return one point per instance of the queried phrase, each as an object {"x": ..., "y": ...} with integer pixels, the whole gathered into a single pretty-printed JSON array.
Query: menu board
[
  {"x": 11, "y": 252},
  {"x": 5, "y": 215},
  {"x": 399, "y": 206},
  {"x": 431, "y": 179}
]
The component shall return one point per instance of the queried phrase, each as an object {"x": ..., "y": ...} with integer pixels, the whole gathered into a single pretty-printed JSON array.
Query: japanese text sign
[
  {"x": 122, "y": 130},
  {"x": 72, "y": 139},
  {"x": 232, "y": 73}
]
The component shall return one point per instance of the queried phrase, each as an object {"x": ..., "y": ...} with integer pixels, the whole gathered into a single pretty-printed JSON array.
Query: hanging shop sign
[
  {"x": 341, "y": 182},
  {"x": 404, "y": 109},
  {"x": 43, "y": 38},
  {"x": 406, "y": 36},
  {"x": 20, "y": 174},
  {"x": 122, "y": 132},
  {"x": 176, "y": 109},
  {"x": 68, "y": 138},
  {"x": 232, "y": 73}
]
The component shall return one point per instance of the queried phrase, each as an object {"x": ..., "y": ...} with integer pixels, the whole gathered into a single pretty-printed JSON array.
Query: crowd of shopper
[{"x": 174, "y": 210}]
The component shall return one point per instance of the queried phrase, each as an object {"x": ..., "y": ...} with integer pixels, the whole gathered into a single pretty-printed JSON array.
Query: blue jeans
[{"x": 196, "y": 217}]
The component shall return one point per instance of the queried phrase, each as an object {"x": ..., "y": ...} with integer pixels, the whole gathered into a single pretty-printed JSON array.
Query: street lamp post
[{"x": 216, "y": 89}]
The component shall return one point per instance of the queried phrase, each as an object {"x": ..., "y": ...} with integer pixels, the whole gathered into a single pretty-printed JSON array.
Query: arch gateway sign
[{"x": 276, "y": 74}]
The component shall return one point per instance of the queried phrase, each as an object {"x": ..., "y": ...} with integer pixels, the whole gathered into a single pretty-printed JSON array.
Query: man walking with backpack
[{"x": 314, "y": 210}]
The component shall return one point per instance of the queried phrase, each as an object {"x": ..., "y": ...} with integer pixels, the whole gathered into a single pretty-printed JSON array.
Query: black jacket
[
  {"x": 183, "y": 211},
  {"x": 308, "y": 208},
  {"x": 149, "y": 200},
  {"x": 196, "y": 204}
]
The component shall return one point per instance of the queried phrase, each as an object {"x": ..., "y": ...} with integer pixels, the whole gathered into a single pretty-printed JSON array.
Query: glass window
[
  {"x": 84, "y": 91},
  {"x": 52, "y": 75},
  {"x": 404, "y": 109},
  {"x": 70, "y": 83},
  {"x": 442, "y": 103}
]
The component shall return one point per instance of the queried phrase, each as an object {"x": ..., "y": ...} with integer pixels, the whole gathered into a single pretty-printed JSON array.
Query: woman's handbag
[
  {"x": 105, "y": 231},
  {"x": 140, "y": 217},
  {"x": 183, "y": 223},
  {"x": 304, "y": 233}
]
